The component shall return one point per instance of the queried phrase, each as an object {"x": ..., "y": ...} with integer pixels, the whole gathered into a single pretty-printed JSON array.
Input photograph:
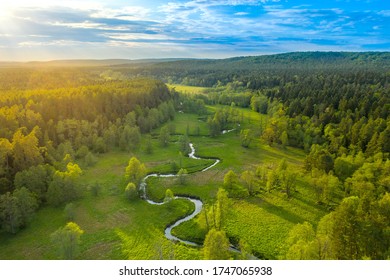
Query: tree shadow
[{"x": 280, "y": 211}]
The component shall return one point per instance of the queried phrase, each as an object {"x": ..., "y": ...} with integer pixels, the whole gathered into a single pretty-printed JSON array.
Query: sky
[{"x": 136, "y": 29}]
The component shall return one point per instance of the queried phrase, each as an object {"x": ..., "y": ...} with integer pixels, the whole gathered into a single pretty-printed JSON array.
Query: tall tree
[
  {"x": 216, "y": 246},
  {"x": 27, "y": 204},
  {"x": 135, "y": 171},
  {"x": 67, "y": 240},
  {"x": 164, "y": 136},
  {"x": 131, "y": 191},
  {"x": 10, "y": 215},
  {"x": 246, "y": 136}
]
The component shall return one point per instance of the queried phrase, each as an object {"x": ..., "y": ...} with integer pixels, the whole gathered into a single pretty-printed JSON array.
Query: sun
[{"x": 5, "y": 10}]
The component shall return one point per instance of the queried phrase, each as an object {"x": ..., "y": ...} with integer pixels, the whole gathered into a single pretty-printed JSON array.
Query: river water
[{"x": 197, "y": 202}]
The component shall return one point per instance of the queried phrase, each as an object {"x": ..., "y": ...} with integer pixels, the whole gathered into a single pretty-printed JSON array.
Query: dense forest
[
  {"x": 333, "y": 107},
  {"x": 44, "y": 130}
]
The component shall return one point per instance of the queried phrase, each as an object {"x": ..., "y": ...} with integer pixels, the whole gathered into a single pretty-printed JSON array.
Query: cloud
[{"x": 198, "y": 26}]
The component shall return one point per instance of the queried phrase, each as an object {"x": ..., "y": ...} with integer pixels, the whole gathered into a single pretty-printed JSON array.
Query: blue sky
[{"x": 133, "y": 29}]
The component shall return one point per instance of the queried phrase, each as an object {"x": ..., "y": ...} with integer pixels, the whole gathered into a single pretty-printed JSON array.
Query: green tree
[
  {"x": 130, "y": 138},
  {"x": 246, "y": 136},
  {"x": 5, "y": 157},
  {"x": 131, "y": 191},
  {"x": 27, "y": 204},
  {"x": 10, "y": 215},
  {"x": 216, "y": 246},
  {"x": 215, "y": 127},
  {"x": 182, "y": 174},
  {"x": 345, "y": 234},
  {"x": 67, "y": 240},
  {"x": 90, "y": 159},
  {"x": 221, "y": 208},
  {"x": 64, "y": 187},
  {"x": 184, "y": 144},
  {"x": 164, "y": 136},
  {"x": 169, "y": 196},
  {"x": 36, "y": 179},
  {"x": 148, "y": 145},
  {"x": 287, "y": 181},
  {"x": 135, "y": 171},
  {"x": 232, "y": 185},
  {"x": 344, "y": 167},
  {"x": 300, "y": 241},
  {"x": 284, "y": 139},
  {"x": 249, "y": 181},
  {"x": 25, "y": 150}
]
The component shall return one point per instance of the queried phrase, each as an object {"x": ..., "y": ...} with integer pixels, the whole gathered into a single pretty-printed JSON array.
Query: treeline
[
  {"x": 257, "y": 72},
  {"x": 44, "y": 131},
  {"x": 27, "y": 78}
]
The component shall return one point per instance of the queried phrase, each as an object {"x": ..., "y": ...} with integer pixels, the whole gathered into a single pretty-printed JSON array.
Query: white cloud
[{"x": 241, "y": 14}]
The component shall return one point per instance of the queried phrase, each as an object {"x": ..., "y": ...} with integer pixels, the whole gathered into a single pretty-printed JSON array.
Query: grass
[
  {"x": 116, "y": 228},
  {"x": 188, "y": 89}
]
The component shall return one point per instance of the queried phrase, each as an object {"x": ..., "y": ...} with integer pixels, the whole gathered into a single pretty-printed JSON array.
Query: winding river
[{"x": 197, "y": 202}]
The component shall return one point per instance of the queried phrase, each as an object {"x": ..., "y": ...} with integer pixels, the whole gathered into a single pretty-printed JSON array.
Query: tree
[
  {"x": 272, "y": 180},
  {"x": 344, "y": 167},
  {"x": 287, "y": 181},
  {"x": 216, "y": 246},
  {"x": 135, "y": 171},
  {"x": 10, "y": 216},
  {"x": 169, "y": 196},
  {"x": 259, "y": 103},
  {"x": 25, "y": 150},
  {"x": 182, "y": 174},
  {"x": 164, "y": 136},
  {"x": 345, "y": 234},
  {"x": 131, "y": 191},
  {"x": 184, "y": 144},
  {"x": 27, "y": 204},
  {"x": 5, "y": 158},
  {"x": 319, "y": 158},
  {"x": 215, "y": 126},
  {"x": 284, "y": 139},
  {"x": 67, "y": 240},
  {"x": 148, "y": 145},
  {"x": 36, "y": 179},
  {"x": 246, "y": 136},
  {"x": 90, "y": 159},
  {"x": 221, "y": 208},
  {"x": 130, "y": 138},
  {"x": 249, "y": 182},
  {"x": 64, "y": 187},
  {"x": 232, "y": 186},
  {"x": 300, "y": 242}
]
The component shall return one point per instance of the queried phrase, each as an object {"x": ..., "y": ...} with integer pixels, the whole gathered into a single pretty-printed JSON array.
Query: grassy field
[
  {"x": 187, "y": 89},
  {"x": 116, "y": 228}
]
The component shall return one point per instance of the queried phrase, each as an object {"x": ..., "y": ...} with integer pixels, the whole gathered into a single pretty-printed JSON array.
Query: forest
[{"x": 276, "y": 157}]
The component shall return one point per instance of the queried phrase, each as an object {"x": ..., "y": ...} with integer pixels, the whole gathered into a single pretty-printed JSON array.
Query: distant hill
[
  {"x": 309, "y": 59},
  {"x": 210, "y": 72},
  {"x": 244, "y": 62},
  {"x": 86, "y": 62}
]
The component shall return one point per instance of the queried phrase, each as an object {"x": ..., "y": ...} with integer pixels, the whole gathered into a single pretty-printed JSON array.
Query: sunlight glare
[{"x": 5, "y": 10}]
